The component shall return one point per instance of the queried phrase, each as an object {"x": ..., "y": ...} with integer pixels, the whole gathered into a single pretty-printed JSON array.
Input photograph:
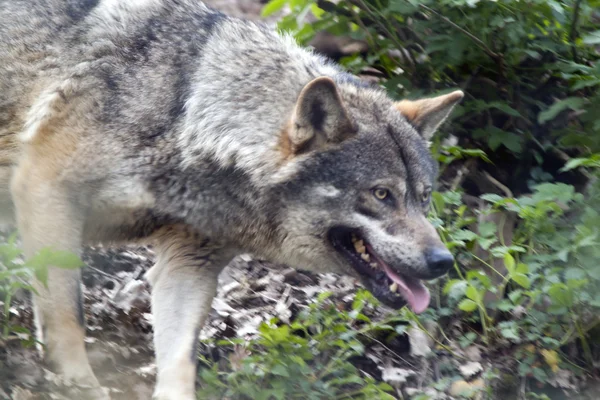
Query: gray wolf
[{"x": 165, "y": 122}]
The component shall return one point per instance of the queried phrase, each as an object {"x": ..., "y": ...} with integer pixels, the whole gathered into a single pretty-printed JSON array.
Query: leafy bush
[
  {"x": 308, "y": 359},
  {"x": 17, "y": 274},
  {"x": 13, "y": 277},
  {"x": 530, "y": 69}
]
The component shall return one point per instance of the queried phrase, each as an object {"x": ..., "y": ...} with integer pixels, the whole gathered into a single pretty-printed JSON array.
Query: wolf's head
[{"x": 358, "y": 198}]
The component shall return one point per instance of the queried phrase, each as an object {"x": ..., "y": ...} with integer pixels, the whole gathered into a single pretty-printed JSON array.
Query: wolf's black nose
[{"x": 439, "y": 260}]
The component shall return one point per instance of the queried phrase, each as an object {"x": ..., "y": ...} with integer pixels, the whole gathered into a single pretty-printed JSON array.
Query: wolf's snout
[{"x": 439, "y": 260}]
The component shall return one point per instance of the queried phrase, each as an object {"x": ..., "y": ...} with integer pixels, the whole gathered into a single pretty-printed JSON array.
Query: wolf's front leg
[
  {"x": 48, "y": 217},
  {"x": 184, "y": 282}
]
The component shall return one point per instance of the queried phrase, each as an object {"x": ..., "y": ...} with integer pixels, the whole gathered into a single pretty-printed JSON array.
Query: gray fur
[{"x": 163, "y": 121}]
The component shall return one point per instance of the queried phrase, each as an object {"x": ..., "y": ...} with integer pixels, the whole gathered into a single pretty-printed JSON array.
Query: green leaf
[
  {"x": 505, "y": 108},
  {"x": 463, "y": 234},
  {"x": 467, "y": 305},
  {"x": 280, "y": 370},
  {"x": 505, "y": 305},
  {"x": 581, "y": 84},
  {"x": 509, "y": 263},
  {"x": 498, "y": 137},
  {"x": 492, "y": 198},
  {"x": 522, "y": 280},
  {"x": 272, "y": 7},
  {"x": 573, "y": 103},
  {"x": 455, "y": 288},
  {"x": 41, "y": 273},
  {"x": 55, "y": 258},
  {"x": 592, "y": 161},
  {"x": 522, "y": 268},
  {"x": 592, "y": 38},
  {"x": 510, "y": 330},
  {"x": 472, "y": 293},
  {"x": 66, "y": 260},
  {"x": 561, "y": 294}
]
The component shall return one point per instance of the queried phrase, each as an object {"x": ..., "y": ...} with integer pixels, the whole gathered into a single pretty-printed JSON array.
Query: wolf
[{"x": 168, "y": 123}]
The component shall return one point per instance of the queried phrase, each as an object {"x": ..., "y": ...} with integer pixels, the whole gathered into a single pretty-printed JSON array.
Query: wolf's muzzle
[{"x": 439, "y": 260}]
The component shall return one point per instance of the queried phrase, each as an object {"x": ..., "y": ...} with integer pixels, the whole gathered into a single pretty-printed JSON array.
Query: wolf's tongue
[{"x": 415, "y": 293}]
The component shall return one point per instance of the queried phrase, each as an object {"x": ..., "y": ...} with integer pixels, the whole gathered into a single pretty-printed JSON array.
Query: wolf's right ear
[
  {"x": 319, "y": 118},
  {"x": 427, "y": 115}
]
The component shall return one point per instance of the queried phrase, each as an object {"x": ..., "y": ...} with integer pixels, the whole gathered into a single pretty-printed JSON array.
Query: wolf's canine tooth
[{"x": 359, "y": 247}]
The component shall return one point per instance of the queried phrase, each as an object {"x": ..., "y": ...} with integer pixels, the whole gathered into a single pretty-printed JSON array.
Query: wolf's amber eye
[
  {"x": 381, "y": 194},
  {"x": 425, "y": 196}
]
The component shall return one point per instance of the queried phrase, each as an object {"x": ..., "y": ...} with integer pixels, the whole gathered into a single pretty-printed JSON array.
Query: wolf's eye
[
  {"x": 381, "y": 194},
  {"x": 425, "y": 197}
]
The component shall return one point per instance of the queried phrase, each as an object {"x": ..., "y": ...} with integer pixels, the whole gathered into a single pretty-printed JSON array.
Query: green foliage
[
  {"x": 550, "y": 279},
  {"x": 16, "y": 274},
  {"x": 530, "y": 69},
  {"x": 308, "y": 359}
]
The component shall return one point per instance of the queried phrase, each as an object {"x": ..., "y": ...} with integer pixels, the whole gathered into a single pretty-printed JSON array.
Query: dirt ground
[
  {"x": 119, "y": 329},
  {"x": 119, "y": 321}
]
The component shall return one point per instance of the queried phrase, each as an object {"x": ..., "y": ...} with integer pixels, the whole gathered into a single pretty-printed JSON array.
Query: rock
[{"x": 420, "y": 342}]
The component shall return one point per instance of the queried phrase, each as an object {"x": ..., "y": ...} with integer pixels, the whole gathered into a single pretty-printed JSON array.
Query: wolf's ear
[
  {"x": 426, "y": 115},
  {"x": 319, "y": 117}
]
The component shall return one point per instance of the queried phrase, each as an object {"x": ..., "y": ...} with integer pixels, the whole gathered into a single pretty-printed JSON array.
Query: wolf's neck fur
[{"x": 256, "y": 74}]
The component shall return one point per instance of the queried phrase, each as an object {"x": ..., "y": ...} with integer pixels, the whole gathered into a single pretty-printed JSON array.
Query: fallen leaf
[
  {"x": 470, "y": 369},
  {"x": 552, "y": 359},
  {"x": 395, "y": 376}
]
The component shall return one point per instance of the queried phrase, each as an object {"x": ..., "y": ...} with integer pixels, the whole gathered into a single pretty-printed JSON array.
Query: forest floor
[{"x": 119, "y": 329}]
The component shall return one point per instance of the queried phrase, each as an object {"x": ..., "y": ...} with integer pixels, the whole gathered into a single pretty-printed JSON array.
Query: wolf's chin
[{"x": 389, "y": 286}]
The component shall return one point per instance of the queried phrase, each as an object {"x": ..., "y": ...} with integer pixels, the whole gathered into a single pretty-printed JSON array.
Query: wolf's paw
[
  {"x": 81, "y": 388},
  {"x": 173, "y": 394},
  {"x": 95, "y": 393}
]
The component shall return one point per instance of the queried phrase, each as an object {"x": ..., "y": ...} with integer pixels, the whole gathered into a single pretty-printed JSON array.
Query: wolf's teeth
[
  {"x": 366, "y": 257},
  {"x": 359, "y": 246},
  {"x": 373, "y": 265},
  {"x": 394, "y": 287}
]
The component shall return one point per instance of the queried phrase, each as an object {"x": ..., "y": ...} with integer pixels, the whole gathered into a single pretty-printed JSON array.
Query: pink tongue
[{"x": 415, "y": 293}]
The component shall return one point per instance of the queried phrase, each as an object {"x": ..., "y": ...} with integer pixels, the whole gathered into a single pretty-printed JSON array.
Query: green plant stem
[
  {"x": 362, "y": 5},
  {"x": 573, "y": 30},
  {"x": 350, "y": 395},
  {"x": 330, "y": 364},
  {"x": 490, "y": 267},
  {"x": 478, "y": 41},
  {"x": 584, "y": 343},
  {"x": 483, "y": 316}
]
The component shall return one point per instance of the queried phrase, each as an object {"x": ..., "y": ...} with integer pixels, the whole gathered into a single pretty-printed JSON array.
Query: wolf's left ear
[
  {"x": 426, "y": 115},
  {"x": 319, "y": 117}
]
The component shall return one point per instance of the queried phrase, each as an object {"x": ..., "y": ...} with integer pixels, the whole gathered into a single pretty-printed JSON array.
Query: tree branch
[
  {"x": 474, "y": 38},
  {"x": 573, "y": 31}
]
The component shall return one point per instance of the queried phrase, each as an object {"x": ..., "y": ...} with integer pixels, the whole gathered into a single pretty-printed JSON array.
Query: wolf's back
[{"x": 29, "y": 32}]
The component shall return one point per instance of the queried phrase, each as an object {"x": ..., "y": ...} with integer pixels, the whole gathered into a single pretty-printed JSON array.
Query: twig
[
  {"x": 461, "y": 174},
  {"x": 573, "y": 31},
  {"x": 105, "y": 274},
  {"x": 361, "y": 4},
  {"x": 498, "y": 184},
  {"x": 488, "y": 51}
]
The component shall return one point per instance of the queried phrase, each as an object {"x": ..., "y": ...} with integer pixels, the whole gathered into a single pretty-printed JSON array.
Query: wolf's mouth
[{"x": 391, "y": 287}]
